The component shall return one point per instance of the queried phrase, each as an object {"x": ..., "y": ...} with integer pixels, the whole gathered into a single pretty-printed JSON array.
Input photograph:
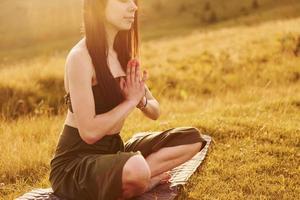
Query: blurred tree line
[{"x": 28, "y": 22}]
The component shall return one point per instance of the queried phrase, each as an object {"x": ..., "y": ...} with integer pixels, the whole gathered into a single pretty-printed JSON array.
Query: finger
[
  {"x": 138, "y": 62},
  {"x": 122, "y": 83},
  {"x": 138, "y": 74},
  {"x": 128, "y": 72},
  {"x": 142, "y": 85},
  {"x": 134, "y": 61},
  {"x": 145, "y": 75},
  {"x": 130, "y": 62}
]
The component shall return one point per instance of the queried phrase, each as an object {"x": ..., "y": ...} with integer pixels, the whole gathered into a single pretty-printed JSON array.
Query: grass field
[{"x": 237, "y": 80}]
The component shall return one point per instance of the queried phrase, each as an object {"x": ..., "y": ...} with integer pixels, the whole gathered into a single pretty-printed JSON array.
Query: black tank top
[{"x": 100, "y": 106}]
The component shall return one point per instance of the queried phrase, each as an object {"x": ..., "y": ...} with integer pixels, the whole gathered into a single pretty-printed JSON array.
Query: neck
[{"x": 111, "y": 33}]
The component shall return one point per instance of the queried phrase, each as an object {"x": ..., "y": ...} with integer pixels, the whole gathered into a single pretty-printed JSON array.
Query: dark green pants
[{"x": 94, "y": 171}]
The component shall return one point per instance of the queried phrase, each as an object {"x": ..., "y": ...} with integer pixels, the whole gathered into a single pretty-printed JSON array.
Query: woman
[{"x": 104, "y": 85}]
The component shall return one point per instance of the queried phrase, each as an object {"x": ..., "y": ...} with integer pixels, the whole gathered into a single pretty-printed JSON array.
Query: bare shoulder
[
  {"x": 78, "y": 65},
  {"x": 79, "y": 57}
]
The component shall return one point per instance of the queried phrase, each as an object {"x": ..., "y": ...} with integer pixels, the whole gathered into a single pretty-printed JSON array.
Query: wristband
[{"x": 143, "y": 106}]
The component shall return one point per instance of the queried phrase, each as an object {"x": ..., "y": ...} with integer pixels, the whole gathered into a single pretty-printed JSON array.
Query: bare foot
[{"x": 159, "y": 179}]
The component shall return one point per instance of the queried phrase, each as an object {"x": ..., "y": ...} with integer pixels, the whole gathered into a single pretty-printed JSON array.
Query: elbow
[
  {"x": 156, "y": 115},
  {"x": 89, "y": 139},
  {"x": 88, "y": 134}
]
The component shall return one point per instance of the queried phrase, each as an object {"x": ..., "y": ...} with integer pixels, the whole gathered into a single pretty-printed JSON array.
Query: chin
[{"x": 125, "y": 28}]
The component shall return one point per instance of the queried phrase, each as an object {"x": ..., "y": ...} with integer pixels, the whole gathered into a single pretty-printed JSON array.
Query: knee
[
  {"x": 191, "y": 136},
  {"x": 136, "y": 175},
  {"x": 195, "y": 132}
]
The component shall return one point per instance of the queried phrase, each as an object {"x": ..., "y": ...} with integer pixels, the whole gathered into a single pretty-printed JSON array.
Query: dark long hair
[{"x": 126, "y": 45}]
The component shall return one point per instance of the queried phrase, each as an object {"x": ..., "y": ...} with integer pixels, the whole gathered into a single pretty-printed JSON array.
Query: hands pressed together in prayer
[{"x": 133, "y": 86}]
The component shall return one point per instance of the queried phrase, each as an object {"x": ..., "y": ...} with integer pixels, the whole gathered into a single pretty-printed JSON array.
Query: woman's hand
[{"x": 133, "y": 87}]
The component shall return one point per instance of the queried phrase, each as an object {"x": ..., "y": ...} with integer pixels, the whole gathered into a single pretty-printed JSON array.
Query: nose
[{"x": 133, "y": 7}]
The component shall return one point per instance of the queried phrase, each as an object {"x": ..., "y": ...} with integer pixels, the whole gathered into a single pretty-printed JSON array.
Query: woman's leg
[
  {"x": 135, "y": 180},
  {"x": 158, "y": 179},
  {"x": 168, "y": 158},
  {"x": 165, "y": 159},
  {"x": 166, "y": 150}
]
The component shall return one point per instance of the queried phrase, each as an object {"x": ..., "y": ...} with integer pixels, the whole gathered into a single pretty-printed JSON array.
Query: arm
[
  {"x": 152, "y": 109},
  {"x": 91, "y": 127}
]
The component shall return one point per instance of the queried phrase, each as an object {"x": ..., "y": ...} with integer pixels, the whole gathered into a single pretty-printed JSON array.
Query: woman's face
[{"x": 120, "y": 13}]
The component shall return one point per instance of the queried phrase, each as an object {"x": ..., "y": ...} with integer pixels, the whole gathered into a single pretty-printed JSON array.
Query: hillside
[
  {"x": 236, "y": 79},
  {"x": 37, "y": 26}
]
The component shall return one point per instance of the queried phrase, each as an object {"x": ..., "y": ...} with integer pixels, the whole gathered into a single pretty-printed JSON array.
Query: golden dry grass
[{"x": 240, "y": 84}]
